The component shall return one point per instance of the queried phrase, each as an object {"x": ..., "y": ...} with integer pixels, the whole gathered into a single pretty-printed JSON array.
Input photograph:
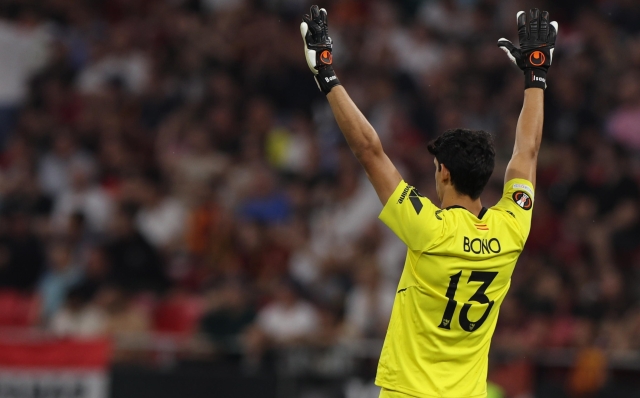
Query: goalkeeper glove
[
  {"x": 317, "y": 48},
  {"x": 537, "y": 42}
]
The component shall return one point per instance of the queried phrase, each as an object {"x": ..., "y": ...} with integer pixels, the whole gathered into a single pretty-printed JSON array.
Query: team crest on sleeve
[{"x": 523, "y": 200}]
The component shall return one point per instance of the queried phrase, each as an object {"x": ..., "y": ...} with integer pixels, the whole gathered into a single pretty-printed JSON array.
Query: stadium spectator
[
  {"x": 161, "y": 218},
  {"x": 55, "y": 168},
  {"x": 78, "y": 317},
  {"x": 287, "y": 319},
  {"x": 62, "y": 274},
  {"x": 83, "y": 196},
  {"x": 135, "y": 264},
  {"x": 229, "y": 315},
  {"x": 95, "y": 271},
  {"x": 368, "y": 305},
  {"x": 121, "y": 314},
  {"x": 22, "y": 254},
  {"x": 24, "y": 49}
]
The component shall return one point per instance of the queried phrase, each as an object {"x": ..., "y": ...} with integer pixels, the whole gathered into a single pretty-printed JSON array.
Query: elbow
[
  {"x": 530, "y": 152},
  {"x": 367, "y": 151},
  {"x": 536, "y": 146},
  {"x": 369, "y": 146}
]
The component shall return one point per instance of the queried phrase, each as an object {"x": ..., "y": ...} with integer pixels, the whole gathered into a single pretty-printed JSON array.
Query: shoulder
[
  {"x": 500, "y": 212},
  {"x": 407, "y": 205},
  {"x": 507, "y": 222},
  {"x": 518, "y": 201},
  {"x": 412, "y": 216}
]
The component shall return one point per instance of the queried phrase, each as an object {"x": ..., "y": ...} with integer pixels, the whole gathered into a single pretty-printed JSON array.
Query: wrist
[
  {"x": 327, "y": 79},
  {"x": 535, "y": 78}
]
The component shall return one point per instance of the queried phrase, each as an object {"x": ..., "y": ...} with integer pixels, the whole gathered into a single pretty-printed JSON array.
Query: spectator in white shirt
[
  {"x": 24, "y": 49},
  {"x": 85, "y": 197},
  {"x": 122, "y": 63},
  {"x": 161, "y": 218},
  {"x": 369, "y": 304},
  {"x": 288, "y": 319},
  {"x": 79, "y": 317},
  {"x": 54, "y": 170}
]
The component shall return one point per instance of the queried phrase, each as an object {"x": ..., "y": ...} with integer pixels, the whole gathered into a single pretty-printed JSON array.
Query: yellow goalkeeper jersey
[{"x": 456, "y": 274}]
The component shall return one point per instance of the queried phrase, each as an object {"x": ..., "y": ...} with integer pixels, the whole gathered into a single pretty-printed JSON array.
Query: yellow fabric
[
  {"x": 384, "y": 393},
  {"x": 427, "y": 354}
]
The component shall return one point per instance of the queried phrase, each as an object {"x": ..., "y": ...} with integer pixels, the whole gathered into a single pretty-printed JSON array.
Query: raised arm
[
  {"x": 537, "y": 42},
  {"x": 528, "y": 138},
  {"x": 364, "y": 143},
  {"x": 360, "y": 135}
]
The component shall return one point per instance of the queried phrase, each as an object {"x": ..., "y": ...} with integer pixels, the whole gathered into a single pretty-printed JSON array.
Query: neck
[{"x": 453, "y": 198}]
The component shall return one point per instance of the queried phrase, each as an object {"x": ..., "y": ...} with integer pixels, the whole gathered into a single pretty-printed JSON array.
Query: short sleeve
[
  {"x": 517, "y": 201},
  {"x": 412, "y": 217}
]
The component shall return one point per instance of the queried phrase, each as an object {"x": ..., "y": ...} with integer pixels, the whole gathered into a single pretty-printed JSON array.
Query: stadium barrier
[{"x": 35, "y": 366}]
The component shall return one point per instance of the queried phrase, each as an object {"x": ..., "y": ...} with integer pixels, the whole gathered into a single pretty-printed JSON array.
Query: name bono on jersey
[{"x": 481, "y": 246}]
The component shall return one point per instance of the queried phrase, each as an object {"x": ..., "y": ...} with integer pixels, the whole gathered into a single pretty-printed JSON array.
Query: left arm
[
  {"x": 537, "y": 38},
  {"x": 524, "y": 160}
]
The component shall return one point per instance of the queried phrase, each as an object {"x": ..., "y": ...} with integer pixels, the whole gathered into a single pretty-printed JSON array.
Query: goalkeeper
[{"x": 461, "y": 254}]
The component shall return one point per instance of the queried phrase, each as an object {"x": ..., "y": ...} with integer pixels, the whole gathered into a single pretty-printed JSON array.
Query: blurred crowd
[{"x": 171, "y": 166}]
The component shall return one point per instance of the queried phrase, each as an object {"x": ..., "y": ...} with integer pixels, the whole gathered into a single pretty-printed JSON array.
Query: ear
[{"x": 446, "y": 175}]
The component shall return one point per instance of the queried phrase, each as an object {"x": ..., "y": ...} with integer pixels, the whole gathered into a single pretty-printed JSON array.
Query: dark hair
[{"x": 469, "y": 156}]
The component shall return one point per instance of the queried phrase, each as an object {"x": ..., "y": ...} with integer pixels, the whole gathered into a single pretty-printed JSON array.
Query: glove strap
[
  {"x": 535, "y": 78},
  {"x": 327, "y": 79}
]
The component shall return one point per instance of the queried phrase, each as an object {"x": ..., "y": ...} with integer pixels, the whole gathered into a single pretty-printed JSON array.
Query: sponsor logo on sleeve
[
  {"x": 523, "y": 200},
  {"x": 403, "y": 196},
  {"x": 414, "y": 198}
]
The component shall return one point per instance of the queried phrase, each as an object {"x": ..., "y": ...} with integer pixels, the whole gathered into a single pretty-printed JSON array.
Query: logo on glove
[
  {"x": 326, "y": 57},
  {"x": 537, "y": 58}
]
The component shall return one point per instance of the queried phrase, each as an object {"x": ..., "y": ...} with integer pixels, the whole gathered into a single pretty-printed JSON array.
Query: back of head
[{"x": 469, "y": 156}]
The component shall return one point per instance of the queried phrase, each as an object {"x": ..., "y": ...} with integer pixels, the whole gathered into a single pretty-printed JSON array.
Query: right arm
[
  {"x": 364, "y": 143},
  {"x": 412, "y": 217},
  {"x": 360, "y": 135}
]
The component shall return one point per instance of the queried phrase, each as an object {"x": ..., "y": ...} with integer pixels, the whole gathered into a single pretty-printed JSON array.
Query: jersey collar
[{"x": 483, "y": 211}]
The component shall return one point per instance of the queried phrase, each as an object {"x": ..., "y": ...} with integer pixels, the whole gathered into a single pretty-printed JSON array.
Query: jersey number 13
[{"x": 479, "y": 296}]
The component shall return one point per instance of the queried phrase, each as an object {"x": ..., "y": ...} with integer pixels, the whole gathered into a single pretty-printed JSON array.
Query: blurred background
[{"x": 180, "y": 216}]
